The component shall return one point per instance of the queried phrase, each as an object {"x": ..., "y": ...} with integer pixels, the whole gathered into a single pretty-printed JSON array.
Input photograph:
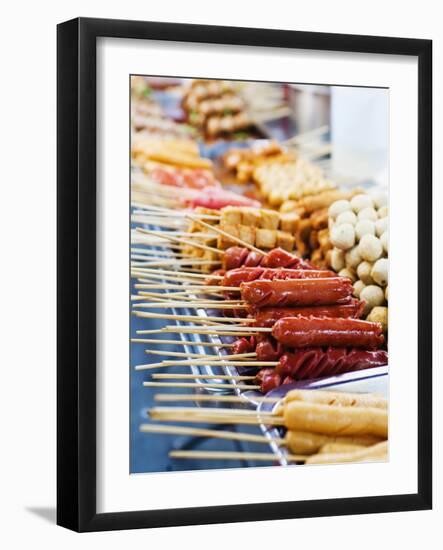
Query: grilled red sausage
[
  {"x": 297, "y": 292},
  {"x": 235, "y": 277},
  {"x": 304, "y": 332},
  {"x": 268, "y": 316},
  {"x": 236, "y": 256}
]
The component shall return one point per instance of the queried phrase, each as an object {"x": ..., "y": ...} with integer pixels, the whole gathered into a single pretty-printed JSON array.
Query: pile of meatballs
[{"x": 358, "y": 230}]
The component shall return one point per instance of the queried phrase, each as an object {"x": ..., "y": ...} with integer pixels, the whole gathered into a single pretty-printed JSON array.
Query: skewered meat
[
  {"x": 305, "y": 332},
  {"x": 297, "y": 292}
]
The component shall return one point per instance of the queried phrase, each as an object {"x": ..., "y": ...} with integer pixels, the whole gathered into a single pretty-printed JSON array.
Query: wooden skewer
[
  {"x": 201, "y": 432},
  {"x": 177, "y": 342},
  {"x": 162, "y": 211},
  {"x": 175, "y": 397},
  {"x": 203, "y": 355},
  {"x": 191, "y": 305},
  {"x": 227, "y": 235},
  {"x": 211, "y": 361},
  {"x": 164, "y": 297},
  {"x": 152, "y": 278},
  {"x": 181, "y": 241},
  {"x": 187, "y": 412},
  {"x": 179, "y": 262},
  {"x": 207, "y": 362},
  {"x": 213, "y": 330},
  {"x": 182, "y": 273},
  {"x": 175, "y": 414},
  {"x": 201, "y": 377},
  {"x": 197, "y": 288},
  {"x": 177, "y": 329},
  {"x": 232, "y": 455},
  {"x": 193, "y": 318},
  {"x": 197, "y": 385}
]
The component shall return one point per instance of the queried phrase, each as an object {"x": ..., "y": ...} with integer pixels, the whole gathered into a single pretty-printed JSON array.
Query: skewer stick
[
  {"x": 180, "y": 262},
  {"x": 201, "y": 432},
  {"x": 227, "y": 235},
  {"x": 174, "y": 329},
  {"x": 169, "y": 376},
  {"x": 191, "y": 305},
  {"x": 182, "y": 273},
  {"x": 175, "y": 414},
  {"x": 202, "y": 355},
  {"x": 197, "y": 288},
  {"x": 189, "y": 329},
  {"x": 222, "y": 385},
  {"x": 151, "y": 278},
  {"x": 210, "y": 361},
  {"x": 180, "y": 240},
  {"x": 232, "y": 455},
  {"x": 175, "y": 397},
  {"x": 194, "y": 318},
  {"x": 177, "y": 342},
  {"x": 207, "y": 362},
  {"x": 203, "y": 411}
]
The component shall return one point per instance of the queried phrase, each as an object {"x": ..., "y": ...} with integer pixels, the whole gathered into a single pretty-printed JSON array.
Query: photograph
[{"x": 259, "y": 274}]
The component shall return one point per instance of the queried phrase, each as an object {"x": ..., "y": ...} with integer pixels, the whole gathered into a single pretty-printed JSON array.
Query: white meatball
[
  {"x": 346, "y": 217},
  {"x": 364, "y": 227},
  {"x": 364, "y": 273},
  {"x": 343, "y": 236},
  {"x": 367, "y": 214},
  {"x": 349, "y": 273},
  {"x": 353, "y": 258},
  {"x": 338, "y": 207},
  {"x": 373, "y": 295},
  {"x": 380, "y": 199},
  {"x": 379, "y": 314},
  {"x": 384, "y": 239},
  {"x": 379, "y": 271},
  {"x": 359, "y": 202},
  {"x": 358, "y": 287},
  {"x": 370, "y": 248},
  {"x": 337, "y": 259},
  {"x": 382, "y": 212},
  {"x": 381, "y": 226}
]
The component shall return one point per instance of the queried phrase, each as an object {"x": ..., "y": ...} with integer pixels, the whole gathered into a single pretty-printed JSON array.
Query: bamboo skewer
[
  {"x": 222, "y": 385},
  {"x": 181, "y": 241},
  {"x": 207, "y": 363},
  {"x": 177, "y": 342},
  {"x": 232, "y": 455},
  {"x": 193, "y": 318},
  {"x": 191, "y": 305},
  {"x": 190, "y": 289},
  {"x": 175, "y": 329},
  {"x": 202, "y": 355},
  {"x": 181, "y": 273},
  {"x": 176, "y": 414},
  {"x": 175, "y": 397},
  {"x": 213, "y": 360},
  {"x": 179, "y": 262},
  {"x": 201, "y": 432},
  {"x": 190, "y": 329},
  {"x": 170, "y": 376}
]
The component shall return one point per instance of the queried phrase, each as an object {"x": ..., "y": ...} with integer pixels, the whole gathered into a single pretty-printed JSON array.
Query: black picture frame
[{"x": 76, "y": 280}]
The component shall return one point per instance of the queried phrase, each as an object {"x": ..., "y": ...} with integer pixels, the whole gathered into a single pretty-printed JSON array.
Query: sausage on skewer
[
  {"x": 297, "y": 292},
  {"x": 303, "y": 332}
]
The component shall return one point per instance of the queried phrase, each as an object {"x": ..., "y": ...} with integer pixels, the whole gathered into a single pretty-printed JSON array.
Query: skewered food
[
  {"x": 303, "y": 332},
  {"x": 297, "y": 292}
]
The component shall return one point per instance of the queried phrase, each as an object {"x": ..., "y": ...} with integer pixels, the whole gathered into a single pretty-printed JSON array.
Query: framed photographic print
[{"x": 244, "y": 274}]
